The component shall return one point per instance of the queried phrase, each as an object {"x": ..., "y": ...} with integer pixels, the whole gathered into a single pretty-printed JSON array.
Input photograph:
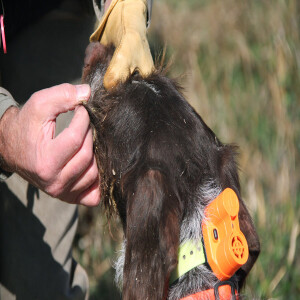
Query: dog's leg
[{"x": 152, "y": 234}]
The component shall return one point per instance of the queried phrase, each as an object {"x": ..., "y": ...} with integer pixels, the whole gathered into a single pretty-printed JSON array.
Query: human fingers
[
  {"x": 89, "y": 176},
  {"x": 91, "y": 196},
  {"x": 83, "y": 186},
  {"x": 53, "y": 101},
  {"x": 71, "y": 139},
  {"x": 73, "y": 173}
]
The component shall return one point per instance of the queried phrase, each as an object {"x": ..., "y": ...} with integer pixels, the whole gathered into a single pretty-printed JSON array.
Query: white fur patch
[
  {"x": 119, "y": 266},
  {"x": 96, "y": 82},
  {"x": 191, "y": 225},
  {"x": 150, "y": 86}
]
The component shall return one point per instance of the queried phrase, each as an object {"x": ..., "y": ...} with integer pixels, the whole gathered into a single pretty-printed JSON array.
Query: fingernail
[{"x": 83, "y": 92}]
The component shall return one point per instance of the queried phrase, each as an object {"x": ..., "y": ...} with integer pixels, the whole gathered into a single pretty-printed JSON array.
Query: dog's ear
[
  {"x": 96, "y": 55},
  {"x": 93, "y": 53},
  {"x": 152, "y": 237}
]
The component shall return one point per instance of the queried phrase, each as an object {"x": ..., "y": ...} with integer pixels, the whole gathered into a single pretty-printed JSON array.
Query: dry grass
[{"x": 241, "y": 66}]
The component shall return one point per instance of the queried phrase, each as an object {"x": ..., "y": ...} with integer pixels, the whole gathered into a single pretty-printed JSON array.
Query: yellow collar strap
[{"x": 190, "y": 255}]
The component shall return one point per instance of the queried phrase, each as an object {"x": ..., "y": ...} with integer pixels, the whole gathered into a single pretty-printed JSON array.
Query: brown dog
[{"x": 160, "y": 166}]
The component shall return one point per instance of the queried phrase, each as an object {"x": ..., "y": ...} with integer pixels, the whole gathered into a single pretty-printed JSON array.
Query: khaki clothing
[
  {"x": 36, "y": 237},
  {"x": 6, "y": 101},
  {"x": 37, "y": 231},
  {"x": 36, "y": 234}
]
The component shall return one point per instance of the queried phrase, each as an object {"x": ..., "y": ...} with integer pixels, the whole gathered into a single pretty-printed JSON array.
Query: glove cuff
[{"x": 97, "y": 34}]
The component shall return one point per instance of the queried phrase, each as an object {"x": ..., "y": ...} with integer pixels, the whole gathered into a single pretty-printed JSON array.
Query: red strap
[
  {"x": 3, "y": 33},
  {"x": 224, "y": 294}
]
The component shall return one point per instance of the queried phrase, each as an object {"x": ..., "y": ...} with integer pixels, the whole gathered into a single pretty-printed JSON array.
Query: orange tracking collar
[
  {"x": 225, "y": 245},
  {"x": 226, "y": 248}
]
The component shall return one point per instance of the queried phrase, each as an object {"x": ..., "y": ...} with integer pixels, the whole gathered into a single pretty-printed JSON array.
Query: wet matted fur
[{"x": 160, "y": 166}]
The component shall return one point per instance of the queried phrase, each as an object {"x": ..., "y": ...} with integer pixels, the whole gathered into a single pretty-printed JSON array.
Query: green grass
[{"x": 241, "y": 66}]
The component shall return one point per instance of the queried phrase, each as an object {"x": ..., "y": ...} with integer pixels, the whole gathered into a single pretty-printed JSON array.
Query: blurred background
[{"x": 239, "y": 64}]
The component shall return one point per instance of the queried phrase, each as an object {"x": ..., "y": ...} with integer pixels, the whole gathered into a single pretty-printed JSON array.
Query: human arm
[
  {"x": 6, "y": 101},
  {"x": 62, "y": 166}
]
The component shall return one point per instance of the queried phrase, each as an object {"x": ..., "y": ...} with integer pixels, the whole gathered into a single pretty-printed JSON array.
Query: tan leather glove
[{"x": 124, "y": 26}]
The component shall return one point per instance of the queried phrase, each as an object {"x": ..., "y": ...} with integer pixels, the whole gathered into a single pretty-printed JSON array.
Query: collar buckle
[{"x": 224, "y": 295}]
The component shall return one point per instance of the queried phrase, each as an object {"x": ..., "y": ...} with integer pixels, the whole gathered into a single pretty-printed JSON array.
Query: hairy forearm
[{"x": 7, "y": 139}]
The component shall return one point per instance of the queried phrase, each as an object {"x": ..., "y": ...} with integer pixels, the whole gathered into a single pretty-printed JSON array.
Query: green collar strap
[{"x": 190, "y": 255}]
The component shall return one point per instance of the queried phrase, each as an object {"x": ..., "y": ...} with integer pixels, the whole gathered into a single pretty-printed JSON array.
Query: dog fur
[{"x": 160, "y": 165}]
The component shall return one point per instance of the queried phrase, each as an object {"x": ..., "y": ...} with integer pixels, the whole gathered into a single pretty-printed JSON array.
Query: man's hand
[
  {"x": 124, "y": 26},
  {"x": 62, "y": 166}
]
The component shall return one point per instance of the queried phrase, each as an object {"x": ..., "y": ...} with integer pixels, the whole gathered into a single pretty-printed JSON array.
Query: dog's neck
[{"x": 199, "y": 278}]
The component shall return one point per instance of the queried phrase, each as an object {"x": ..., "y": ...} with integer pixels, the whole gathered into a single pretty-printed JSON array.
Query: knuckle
[
  {"x": 87, "y": 155},
  {"x": 50, "y": 181},
  {"x": 35, "y": 95},
  {"x": 54, "y": 190},
  {"x": 69, "y": 91},
  {"x": 35, "y": 102},
  {"x": 51, "y": 191},
  {"x": 44, "y": 172},
  {"x": 75, "y": 140}
]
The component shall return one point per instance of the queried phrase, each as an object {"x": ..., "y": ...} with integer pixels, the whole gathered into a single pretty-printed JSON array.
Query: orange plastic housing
[{"x": 226, "y": 246}]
